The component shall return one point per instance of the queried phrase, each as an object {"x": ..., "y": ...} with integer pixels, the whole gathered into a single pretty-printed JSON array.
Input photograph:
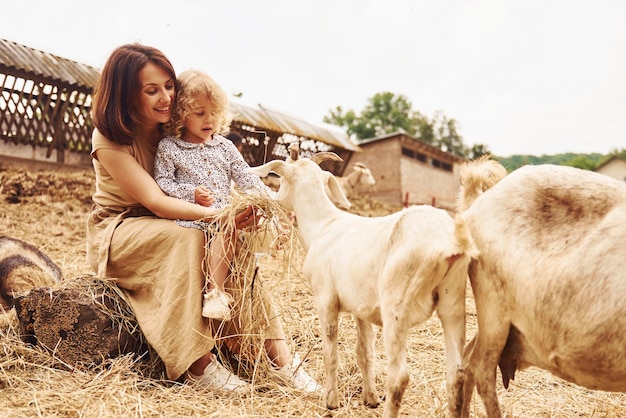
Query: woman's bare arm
[{"x": 135, "y": 181}]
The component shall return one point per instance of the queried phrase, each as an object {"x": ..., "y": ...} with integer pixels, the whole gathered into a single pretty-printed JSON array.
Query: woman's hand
[
  {"x": 247, "y": 217},
  {"x": 203, "y": 196}
]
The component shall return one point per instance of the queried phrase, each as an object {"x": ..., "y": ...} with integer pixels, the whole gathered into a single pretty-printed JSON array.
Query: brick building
[{"x": 409, "y": 171}]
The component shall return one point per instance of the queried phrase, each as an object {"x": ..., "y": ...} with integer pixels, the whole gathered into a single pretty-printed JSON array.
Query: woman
[{"x": 130, "y": 234}]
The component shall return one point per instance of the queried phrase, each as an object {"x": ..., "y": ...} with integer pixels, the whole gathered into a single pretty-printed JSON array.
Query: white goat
[
  {"x": 391, "y": 271},
  {"x": 550, "y": 280},
  {"x": 360, "y": 175}
]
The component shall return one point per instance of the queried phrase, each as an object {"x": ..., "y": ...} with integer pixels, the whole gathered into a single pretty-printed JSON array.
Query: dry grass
[{"x": 48, "y": 209}]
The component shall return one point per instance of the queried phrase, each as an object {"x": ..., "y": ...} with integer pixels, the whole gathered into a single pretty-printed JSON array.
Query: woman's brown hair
[{"x": 114, "y": 106}]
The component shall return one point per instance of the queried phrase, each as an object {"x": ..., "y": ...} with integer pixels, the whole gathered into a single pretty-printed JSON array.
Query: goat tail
[
  {"x": 462, "y": 252},
  {"x": 463, "y": 242},
  {"x": 476, "y": 177}
]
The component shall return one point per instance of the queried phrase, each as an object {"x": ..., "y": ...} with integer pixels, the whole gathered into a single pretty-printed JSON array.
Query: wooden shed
[
  {"x": 409, "y": 171},
  {"x": 45, "y": 115},
  {"x": 44, "y": 105}
]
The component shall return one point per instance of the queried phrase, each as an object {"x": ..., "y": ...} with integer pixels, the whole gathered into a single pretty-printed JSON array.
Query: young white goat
[
  {"x": 550, "y": 280},
  {"x": 391, "y": 271},
  {"x": 360, "y": 175}
]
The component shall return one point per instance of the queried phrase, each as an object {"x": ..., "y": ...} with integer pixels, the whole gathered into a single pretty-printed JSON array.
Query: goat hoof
[
  {"x": 371, "y": 400},
  {"x": 331, "y": 399},
  {"x": 372, "y": 405}
]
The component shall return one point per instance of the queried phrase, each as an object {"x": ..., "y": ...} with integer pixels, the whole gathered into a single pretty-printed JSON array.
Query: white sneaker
[
  {"x": 216, "y": 376},
  {"x": 296, "y": 376},
  {"x": 216, "y": 305}
]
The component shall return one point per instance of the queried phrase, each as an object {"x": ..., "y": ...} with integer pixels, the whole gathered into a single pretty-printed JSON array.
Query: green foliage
[
  {"x": 387, "y": 113},
  {"x": 620, "y": 153},
  {"x": 446, "y": 136},
  {"x": 384, "y": 114},
  {"x": 477, "y": 150},
  {"x": 584, "y": 161}
]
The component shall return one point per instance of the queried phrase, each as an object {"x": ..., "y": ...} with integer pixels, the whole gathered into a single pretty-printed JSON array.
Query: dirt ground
[{"x": 48, "y": 209}]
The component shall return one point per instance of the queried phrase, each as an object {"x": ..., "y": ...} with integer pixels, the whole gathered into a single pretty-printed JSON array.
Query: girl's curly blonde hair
[{"x": 190, "y": 85}]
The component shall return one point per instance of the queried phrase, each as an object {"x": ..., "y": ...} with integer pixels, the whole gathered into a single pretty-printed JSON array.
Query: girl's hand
[
  {"x": 245, "y": 218},
  {"x": 203, "y": 196}
]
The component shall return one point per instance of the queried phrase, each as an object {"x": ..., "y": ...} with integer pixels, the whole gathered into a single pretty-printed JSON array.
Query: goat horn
[{"x": 325, "y": 155}]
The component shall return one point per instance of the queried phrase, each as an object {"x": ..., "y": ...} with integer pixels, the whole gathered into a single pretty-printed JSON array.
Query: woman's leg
[
  {"x": 198, "y": 366},
  {"x": 159, "y": 264}
]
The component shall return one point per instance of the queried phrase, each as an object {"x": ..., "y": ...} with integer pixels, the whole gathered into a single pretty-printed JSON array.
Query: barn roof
[
  {"x": 281, "y": 122},
  {"x": 43, "y": 64},
  {"x": 416, "y": 143},
  {"x": 31, "y": 62}
]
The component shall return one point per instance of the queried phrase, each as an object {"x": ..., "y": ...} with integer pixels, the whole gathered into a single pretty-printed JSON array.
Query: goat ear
[
  {"x": 336, "y": 194},
  {"x": 274, "y": 166}
]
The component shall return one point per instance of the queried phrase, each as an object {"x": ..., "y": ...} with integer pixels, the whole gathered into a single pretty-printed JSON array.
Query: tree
[
  {"x": 446, "y": 136},
  {"x": 584, "y": 161},
  {"x": 620, "y": 153},
  {"x": 384, "y": 114},
  {"x": 387, "y": 113},
  {"x": 477, "y": 151}
]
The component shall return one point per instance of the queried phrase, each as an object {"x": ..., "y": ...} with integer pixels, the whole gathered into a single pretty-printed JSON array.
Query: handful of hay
[{"x": 240, "y": 342}]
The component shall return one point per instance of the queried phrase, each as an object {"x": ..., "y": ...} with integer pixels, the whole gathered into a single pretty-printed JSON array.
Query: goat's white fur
[
  {"x": 360, "y": 175},
  {"x": 550, "y": 280},
  {"x": 392, "y": 271}
]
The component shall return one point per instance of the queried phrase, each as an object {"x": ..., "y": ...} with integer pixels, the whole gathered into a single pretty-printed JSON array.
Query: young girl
[
  {"x": 132, "y": 240},
  {"x": 198, "y": 164}
]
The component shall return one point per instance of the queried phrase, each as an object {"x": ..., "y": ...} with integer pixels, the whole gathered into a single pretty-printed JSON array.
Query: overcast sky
[{"x": 523, "y": 77}]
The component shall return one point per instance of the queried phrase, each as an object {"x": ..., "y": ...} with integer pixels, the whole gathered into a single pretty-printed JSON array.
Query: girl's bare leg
[
  {"x": 278, "y": 352},
  {"x": 222, "y": 253}
]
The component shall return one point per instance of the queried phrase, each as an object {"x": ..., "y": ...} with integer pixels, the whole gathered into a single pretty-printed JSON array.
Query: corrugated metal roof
[
  {"x": 280, "y": 122},
  {"x": 43, "y": 64},
  {"x": 55, "y": 68},
  {"x": 417, "y": 143}
]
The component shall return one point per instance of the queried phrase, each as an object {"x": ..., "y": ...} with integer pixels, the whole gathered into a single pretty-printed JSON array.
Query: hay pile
[{"x": 48, "y": 209}]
